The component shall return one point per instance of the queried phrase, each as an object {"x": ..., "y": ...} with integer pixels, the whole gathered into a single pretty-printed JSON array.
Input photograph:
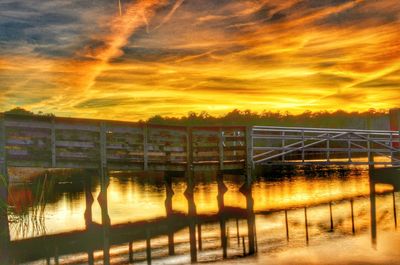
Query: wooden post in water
[
  {"x": 189, "y": 194},
  {"x": 237, "y": 232},
  {"x": 372, "y": 199},
  {"x": 169, "y": 211},
  {"x": 199, "y": 239},
  {"x": 394, "y": 210},
  {"x": 88, "y": 217},
  {"x": 353, "y": 229},
  {"x": 306, "y": 223},
  {"x": 130, "y": 249},
  {"x": 102, "y": 199},
  {"x": 331, "y": 215},
  {"x": 148, "y": 247},
  {"x": 222, "y": 189},
  {"x": 4, "y": 181},
  {"x": 246, "y": 190},
  {"x": 287, "y": 226}
]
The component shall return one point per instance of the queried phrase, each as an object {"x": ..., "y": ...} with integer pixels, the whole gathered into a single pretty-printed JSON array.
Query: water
[{"x": 55, "y": 217}]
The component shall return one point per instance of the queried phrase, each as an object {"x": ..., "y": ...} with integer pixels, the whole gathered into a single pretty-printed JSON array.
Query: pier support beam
[
  {"x": 4, "y": 180},
  {"x": 192, "y": 212},
  {"x": 246, "y": 190},
  {"x": 169, "y": 211},
  {"x": 105, "y": 218},
  {"x": 222, "y": 189},
  {"x": 372, "y": 199},
  {"x": 88, "y": 217}
]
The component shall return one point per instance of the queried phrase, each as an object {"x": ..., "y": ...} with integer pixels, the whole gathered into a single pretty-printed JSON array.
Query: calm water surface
[{"x": 225, "y": 219}]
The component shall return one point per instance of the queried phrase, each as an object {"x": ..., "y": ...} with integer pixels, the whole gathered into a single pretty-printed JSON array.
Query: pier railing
[
  {"x": 53, "y": 142},
  {"x": 296, "y": 145}
]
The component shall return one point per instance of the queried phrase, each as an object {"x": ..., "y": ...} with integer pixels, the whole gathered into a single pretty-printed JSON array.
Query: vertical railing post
[
  {"x": 53, "y": 143},
  {"x": 353, "y": 228},
  {"x": 189, "y": 149},
  {"x": 328, "y": 148},
  {"x": 4, "y": 181},
  {"x": 349, "y": 147},
  {"x": 221, "y": 148},
  {"x": 249, "y": 154},
  {"x": 145, "y": 147},
  {"x": 104, "y": 182},
  {"x": 189, "y": 194},
  {"x": 372, "y": 199},
  {"x": 302, "y": 146},
  {"x": 331, "y": 215},
  {"x": 283, "y": 143}
]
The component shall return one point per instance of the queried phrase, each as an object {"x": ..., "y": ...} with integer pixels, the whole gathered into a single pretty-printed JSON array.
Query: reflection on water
[{"x": 161, "y": 218}]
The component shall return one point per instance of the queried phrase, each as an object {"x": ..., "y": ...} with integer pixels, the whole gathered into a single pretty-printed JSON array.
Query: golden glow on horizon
[{"x": 154, "y": 57}]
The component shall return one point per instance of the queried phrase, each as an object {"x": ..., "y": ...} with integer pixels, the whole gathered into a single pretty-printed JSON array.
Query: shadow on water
[{"x": 178, "y": 237}]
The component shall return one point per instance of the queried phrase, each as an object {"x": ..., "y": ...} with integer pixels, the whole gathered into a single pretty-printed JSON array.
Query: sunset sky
[{"x": 102, "y": 59}]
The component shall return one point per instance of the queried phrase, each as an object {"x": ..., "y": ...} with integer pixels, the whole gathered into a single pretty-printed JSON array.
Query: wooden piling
[
  {"x": 169, "y": 211},
  {"x": 306, "y": 223},
  {"x": 331, "y": 215},
  {"x": 237, "y": 232},
  {"x": 148, "y": 248},
  {"x": 372, "y": 199},
  {"x": 287, "y": 226},
  {"x": 4, "y": 181},
  {"x": 353, "y": 229},
  {"x": 130, "y": 250},
  {"x": 394, "y": 210},
  {"x": 200, "y": 243}
]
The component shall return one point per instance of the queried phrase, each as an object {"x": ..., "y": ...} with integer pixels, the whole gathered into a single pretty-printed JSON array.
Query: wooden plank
[{"x": 28, "y": 124}]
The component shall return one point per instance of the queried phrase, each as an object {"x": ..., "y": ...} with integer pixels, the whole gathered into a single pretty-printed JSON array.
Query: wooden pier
[{"x": 52, "y": 142}]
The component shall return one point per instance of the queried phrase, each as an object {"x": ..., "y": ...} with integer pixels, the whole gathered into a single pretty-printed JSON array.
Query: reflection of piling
[
  {"x": 306, "y": 223},
  {"x": 56, "y": 258},
  {"x": 105, "y": 219},
  {"x": 246, "y": 189},
  {"x": 221, "y": 205},
  {"x": 237, "y": 232},
  {"x": 287, "y": 226},
  {"x": 244, "y": 246},
  {"x": 192, "y": 214},
  {"x": 372, "y": 200},
  {"x": 148, "y": 247},
  {"x": 331, "y": 215},
  {"x": 102, "y": 199},
  {"x": 394, "y": 210},
  {"x": 169, "y": 211},
  {"x": 353, "y": 229},
  {"x": 199, "y": 237},
  {"x": 130, "y": 252},
  {"x": 88, "y": 216}
]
